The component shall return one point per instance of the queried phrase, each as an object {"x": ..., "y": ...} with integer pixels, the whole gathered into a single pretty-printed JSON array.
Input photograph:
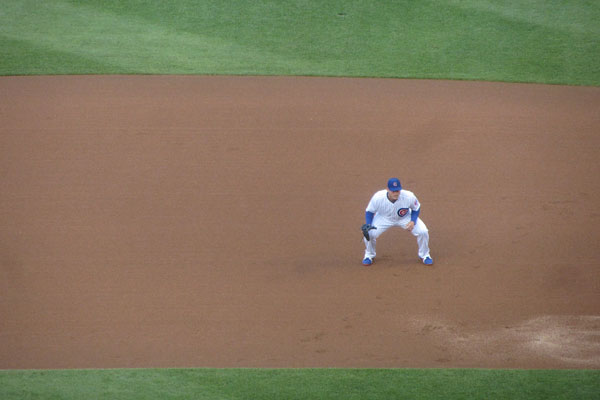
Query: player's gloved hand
[{"x": 365, "y": 230}]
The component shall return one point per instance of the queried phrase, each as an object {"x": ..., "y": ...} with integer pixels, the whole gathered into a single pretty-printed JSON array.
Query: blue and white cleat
[
  {"x": 367, "y": 261},
  {"x": 428, "y": 261}
]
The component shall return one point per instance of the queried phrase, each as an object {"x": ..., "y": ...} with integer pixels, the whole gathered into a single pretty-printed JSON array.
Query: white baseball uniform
[{"x": 388, "y": 214}]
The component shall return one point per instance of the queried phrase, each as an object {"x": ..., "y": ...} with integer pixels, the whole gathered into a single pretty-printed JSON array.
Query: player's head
[{"x": 394, "y": 185}]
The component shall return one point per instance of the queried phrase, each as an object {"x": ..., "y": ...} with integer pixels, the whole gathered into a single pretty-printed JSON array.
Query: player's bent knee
[
  {"x": 374, "y": 234},
  {"x": 420, "y": 232}
]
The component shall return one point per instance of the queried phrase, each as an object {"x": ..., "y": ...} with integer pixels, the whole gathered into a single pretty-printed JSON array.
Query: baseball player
[{"x": 394, "y": 207}]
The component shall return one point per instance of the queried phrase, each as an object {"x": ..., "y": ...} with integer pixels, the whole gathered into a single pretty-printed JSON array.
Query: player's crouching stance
[{"x": 394, "y": 207}]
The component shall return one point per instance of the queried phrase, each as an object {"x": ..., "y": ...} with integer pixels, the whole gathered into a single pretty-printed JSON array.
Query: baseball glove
[{"x": 365, "y": 230}]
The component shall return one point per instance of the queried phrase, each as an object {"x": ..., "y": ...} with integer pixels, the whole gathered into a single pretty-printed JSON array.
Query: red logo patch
[{"x": 402, "y": 212}]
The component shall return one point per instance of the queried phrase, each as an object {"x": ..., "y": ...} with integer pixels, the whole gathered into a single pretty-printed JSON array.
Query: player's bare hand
[{"x": 410, "y": 226}]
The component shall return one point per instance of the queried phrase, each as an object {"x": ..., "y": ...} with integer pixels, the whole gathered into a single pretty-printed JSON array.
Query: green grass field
[
  {"x": 551, "y": 41},
  {"x": 289, "y": 384},
  {"x": 547, "y": 41}
]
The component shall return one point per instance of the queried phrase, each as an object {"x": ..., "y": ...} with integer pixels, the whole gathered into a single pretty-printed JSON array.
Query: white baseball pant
[{"x": 383, "y": 224}]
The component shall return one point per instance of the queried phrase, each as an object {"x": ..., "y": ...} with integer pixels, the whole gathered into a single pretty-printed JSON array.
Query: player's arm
[
  {"x": 367, "y": 227},
  {"x": 371, "y": 210},
  {"x": 369, "y": 217},
  {"x": 414, "y": 215},
  {"x": 415, "y": 210}
]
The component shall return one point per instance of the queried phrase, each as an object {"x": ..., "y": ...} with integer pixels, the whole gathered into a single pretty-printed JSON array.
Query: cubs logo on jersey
[{"x": 402, "y": 212}]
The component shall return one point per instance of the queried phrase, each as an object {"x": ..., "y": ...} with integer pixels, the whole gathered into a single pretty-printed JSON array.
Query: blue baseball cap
[{"x": 394, "y": 184}]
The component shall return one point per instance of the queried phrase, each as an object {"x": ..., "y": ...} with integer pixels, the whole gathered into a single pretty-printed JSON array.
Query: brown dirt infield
[{"x": 214, "y": 222}]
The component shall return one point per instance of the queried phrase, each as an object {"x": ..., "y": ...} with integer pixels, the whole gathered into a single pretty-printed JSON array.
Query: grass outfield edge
[
  {"x": 300, "y": 383},
  {"x": 423, "y": 78}
]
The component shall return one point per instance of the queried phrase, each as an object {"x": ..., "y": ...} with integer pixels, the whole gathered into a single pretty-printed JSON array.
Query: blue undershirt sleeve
[
  {"x": 414, "y": 215},
  {"x": 369, "y": 217}
]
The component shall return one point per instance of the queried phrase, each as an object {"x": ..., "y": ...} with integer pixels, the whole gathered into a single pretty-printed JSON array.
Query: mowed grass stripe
[{"x": 125, "y": 44}]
